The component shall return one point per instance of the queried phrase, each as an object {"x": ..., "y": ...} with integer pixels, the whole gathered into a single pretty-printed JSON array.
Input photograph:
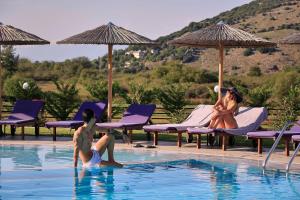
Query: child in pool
[{"x": 83, "y": 138}]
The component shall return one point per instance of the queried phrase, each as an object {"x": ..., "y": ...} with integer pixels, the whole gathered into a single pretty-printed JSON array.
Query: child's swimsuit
[{"x": 95, "y": 160}]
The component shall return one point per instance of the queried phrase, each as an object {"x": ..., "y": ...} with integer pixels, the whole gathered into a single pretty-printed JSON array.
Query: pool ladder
[{"x": 287, "y": 124}]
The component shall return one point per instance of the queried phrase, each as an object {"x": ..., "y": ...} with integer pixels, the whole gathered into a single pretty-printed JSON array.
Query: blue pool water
[{"x": 46, "y": 172}]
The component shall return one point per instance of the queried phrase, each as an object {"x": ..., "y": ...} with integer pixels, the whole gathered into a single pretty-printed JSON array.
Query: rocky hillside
[{"x": 271, "y": 19}]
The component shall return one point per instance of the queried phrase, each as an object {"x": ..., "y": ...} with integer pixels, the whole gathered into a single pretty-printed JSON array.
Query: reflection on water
[
  {"x": 47, "y": 172},
  {"x": 223, "y": 181},
  {"x": 94, "y": 181},
  {"x": 22, "y": 157}
]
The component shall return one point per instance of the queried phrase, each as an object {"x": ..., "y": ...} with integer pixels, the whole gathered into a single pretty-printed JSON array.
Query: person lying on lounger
[
  {"x": 225, "y": 110},
  {"x": 83, "y": 138}
]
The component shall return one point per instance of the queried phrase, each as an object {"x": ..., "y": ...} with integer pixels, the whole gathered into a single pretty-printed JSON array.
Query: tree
[
  {"x": 13, "y": 88},
  {"x": 9, "y": 60},
  {"x": 289, "y": 108},
  {"x": 254, "y": 71},
  {"x": 138, "y": 94},
  {"x": 99, "y": 90},
  {"x": 172, "y": 99},
  {"x": 283, "y": 82},
  {"x": 63, "y": 101},
  {"x": 248, "y": 52},
  {"x": 259, "y": 96}
]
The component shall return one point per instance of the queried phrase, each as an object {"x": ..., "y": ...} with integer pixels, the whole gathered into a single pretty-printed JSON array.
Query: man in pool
[{"x": 83, "y": 138}]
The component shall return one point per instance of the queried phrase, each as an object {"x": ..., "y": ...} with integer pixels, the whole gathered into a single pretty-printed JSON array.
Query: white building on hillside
[{"x": 137, "y": 54}]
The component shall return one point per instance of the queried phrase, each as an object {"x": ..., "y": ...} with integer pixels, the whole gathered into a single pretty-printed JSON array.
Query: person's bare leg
[
  {"x": 229, "y": 121},
  {"x": 213, "y": 121},
  {"x": 102, "y": 143},
  {"x": 110, "y": 148},
  {"x": 219, "y": 122},
  {"x": 107, "y": 142}
]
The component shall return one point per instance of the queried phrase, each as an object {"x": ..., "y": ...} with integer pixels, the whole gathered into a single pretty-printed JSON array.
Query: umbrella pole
[
  {"x": 109, "y": 109},
  {"x": 221, "y": 52},
  {"x": 0, "y": 86}
]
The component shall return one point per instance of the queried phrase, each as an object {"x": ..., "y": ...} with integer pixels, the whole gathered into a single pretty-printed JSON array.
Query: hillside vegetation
[{"x": 193, "y": 68}]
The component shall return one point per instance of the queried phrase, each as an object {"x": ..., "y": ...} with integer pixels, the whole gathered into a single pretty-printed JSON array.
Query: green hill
[
  {"x": 270, "y": 19},
  {"x": 196, "y": 68}
]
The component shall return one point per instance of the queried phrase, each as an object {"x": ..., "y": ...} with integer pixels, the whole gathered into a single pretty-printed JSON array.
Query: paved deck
[{"x": 277, "y": 161}]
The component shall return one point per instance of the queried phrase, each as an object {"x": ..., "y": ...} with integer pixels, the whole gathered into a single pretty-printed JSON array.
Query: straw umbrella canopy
[
  {"x": 110, "y": 35},
  {"x": 10, "y": 35},
  {"x": 221, "y": 36},
  {"x": 291, "y": 39}
]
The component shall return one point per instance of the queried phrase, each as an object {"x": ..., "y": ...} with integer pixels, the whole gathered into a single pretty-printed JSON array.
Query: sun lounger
[
  {"x": 25, "y": 113},
  {"x": 98, "y": 108},
  {"x": 248, "y": 119},
  {"x": 287, "y": 135},
  {"x": 134, "y": 118},
  {"x": 199, "y": 117}
]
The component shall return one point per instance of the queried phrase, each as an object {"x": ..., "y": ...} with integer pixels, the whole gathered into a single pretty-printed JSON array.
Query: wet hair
[{"x": 87, "y": 115}]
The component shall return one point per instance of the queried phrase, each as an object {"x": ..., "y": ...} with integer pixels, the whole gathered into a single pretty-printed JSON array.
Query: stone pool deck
[{"x": 278, "y": 159}]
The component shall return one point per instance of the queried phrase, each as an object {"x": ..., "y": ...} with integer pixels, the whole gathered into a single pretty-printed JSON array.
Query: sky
[{"x": 55, "y": 20}]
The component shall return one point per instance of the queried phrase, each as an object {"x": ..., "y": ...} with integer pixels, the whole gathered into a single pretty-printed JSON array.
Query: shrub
[
  {"x": 268, "y": 50},
  {"x": 213, "y": 96},
  {"x": 172, "y": 99},
  {"x": 234, "y": 67},
  {"x": 204, "y": 76},
  {"x": 161, "y": 71},
  {"x": 9, "y": 61},
  {"x": 63, "y": 101},
  {"x": 193, "y": 92},
  {"x": 138, "y": 94},
  {"x": 13, "y": 88},
  {"x": 173, "y": 77},
  {"x": 254, "y": 71},
  {"x": 99, "y": 90},
  {"x": 248, "y": 52},
  {"x": 283, "y": 82},
  {"x": 259, "y": 96},
  {"x": 289, "y": 108}
]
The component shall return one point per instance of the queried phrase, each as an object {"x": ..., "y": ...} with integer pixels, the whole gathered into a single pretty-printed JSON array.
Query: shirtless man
[{"x": 83, "y": 138}]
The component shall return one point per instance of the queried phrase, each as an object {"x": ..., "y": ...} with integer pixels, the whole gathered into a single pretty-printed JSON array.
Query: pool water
[{"x": 46, "y": 172}]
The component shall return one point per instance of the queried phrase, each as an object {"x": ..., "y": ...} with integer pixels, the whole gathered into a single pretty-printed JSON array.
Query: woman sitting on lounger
[{"x": 225, "y": 110}]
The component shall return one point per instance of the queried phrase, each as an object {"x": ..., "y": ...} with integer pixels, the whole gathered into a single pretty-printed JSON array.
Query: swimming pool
[{"x": 46, "y": 172}]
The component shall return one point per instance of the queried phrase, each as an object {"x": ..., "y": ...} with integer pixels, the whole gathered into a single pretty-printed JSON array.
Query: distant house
[
  {"x": 155, "y": 51},
  {"x": 127, "y": 64},
  {"x": 137, "y": 54}
]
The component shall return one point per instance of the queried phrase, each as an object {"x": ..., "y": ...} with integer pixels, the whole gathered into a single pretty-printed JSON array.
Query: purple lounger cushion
[
  {"x": 24, "y": 111},
  {"x": 97, "y": 107},
  {"x": 248, "y": 119},
  {"x": 296, "y": 138},
  {"x": 64, "y": 124},
  {"x": 135, "y": 117},
  {"x": 295, "y": 130},
  {"x": 199, "y": 117}
]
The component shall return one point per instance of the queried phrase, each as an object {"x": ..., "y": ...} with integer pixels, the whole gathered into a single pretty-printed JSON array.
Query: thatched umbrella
[
  {"x": 221, "y": 36},
  {"x": 10, "y": 35},
  {"x": 109, "y": 34},
  {"x": 291, "y": 39}
]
